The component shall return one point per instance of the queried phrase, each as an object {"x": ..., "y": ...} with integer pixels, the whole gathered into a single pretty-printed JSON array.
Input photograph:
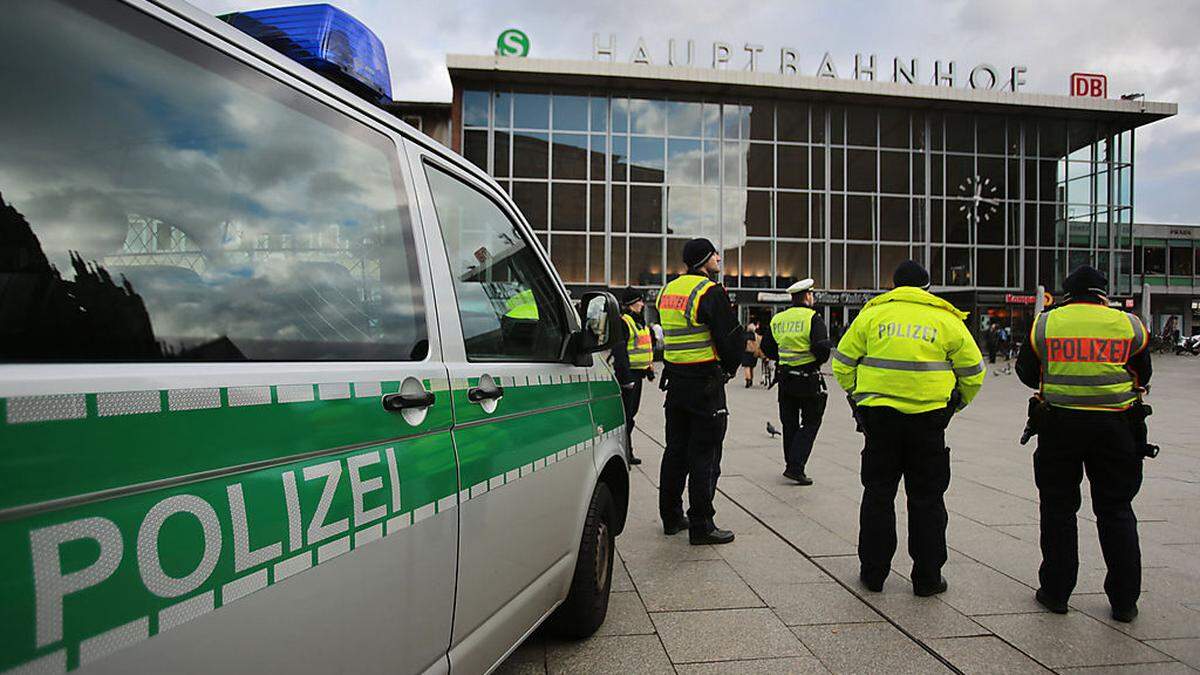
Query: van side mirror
[{"x": 598, "y": 316}]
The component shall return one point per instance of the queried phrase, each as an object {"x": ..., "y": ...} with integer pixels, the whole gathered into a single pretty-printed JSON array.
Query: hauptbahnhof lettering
[{"x": 617, "y": 162}]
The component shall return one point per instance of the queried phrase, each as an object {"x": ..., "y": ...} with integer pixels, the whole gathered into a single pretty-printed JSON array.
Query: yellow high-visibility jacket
[{"x": 908, "y": 349}]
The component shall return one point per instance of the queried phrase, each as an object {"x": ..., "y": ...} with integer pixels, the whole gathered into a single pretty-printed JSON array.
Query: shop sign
[
  {"x": 842, "y": 298},
  {"x": 764, "y": 296},
  {"x": 753, "y": 57},
  {"x": 1015, "y": 299}
]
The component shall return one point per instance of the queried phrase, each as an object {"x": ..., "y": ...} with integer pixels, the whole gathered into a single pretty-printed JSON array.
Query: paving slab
[
  {"x": 985, "y": 654},
  {"x": 610, "y": 655},
  {"x": 790, "y": 666},
  {"x": 978, "y": 589},
  {"x": 867, "y": 648},
  {"x": 1158, "y": 617},
  {"x": 816, "y": 603},
  {"x": 1073, "y": 639},
  {"x": 626, "y": 616},
  {"x": 725, "y": 635},
  {"x": 1186, "y": 650},
  {"x": 1164, "y": 668},
  {"x": 620, "y": 576},
  {"x": 691, "y": 584}
]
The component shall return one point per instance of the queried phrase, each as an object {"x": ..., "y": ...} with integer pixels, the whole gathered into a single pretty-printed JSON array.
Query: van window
[
  {"x": 508, "y": 303},
  {"x": 160, "y": 200}
]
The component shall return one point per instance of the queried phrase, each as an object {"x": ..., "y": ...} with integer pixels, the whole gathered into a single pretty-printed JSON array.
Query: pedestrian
[
  {"x": 702, "y": 348},
  {"x": 633, "y": 360},
  {"x": 1090, "y": 365},
  {"x": 992, "y": 340},
  {"x": 796, "y": 338},
  {"x": 907, "y": 363},
  {"x": 750, "y": 356}
]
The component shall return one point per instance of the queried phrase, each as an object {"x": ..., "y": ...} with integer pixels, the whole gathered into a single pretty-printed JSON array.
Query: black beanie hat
[
  {"x": 910, "y": 273},
  {"x": 697, "y": 252},
  {"x": 1086, "y": 280},
  {"x": 630, "y": 295}
]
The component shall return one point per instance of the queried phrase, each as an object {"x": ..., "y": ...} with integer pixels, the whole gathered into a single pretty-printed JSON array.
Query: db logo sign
[{"x": 1089, "y": 84}]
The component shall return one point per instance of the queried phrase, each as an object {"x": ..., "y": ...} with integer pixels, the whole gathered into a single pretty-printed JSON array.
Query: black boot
[
  {"x": 634, "y": 461},
  {"x": 714, "y": 536},
  {"x": 671, "y": 527},
  {"x": 924, "y": 591},
  {"x": 1044, "y": 599}
]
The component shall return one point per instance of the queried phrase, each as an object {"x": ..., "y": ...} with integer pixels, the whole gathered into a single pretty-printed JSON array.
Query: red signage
[
  {"x": 1092, "y": 85},
  {"x": 1014, "y": 299}
]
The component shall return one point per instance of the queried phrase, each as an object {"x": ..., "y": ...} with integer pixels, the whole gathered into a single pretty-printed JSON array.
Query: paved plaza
[{"x": 784, "y": 597}]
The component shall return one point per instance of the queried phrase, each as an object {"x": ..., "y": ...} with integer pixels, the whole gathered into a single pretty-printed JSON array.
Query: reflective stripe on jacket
[
  {"x": 792, "y": 331},
  {"x": 1083, "y": 348},
  {"x": 685, "y": 340},
  {"x": 909, "y": 350},
  {"x": 638, "y": 346},
  {"x": 522, "y": 306}
]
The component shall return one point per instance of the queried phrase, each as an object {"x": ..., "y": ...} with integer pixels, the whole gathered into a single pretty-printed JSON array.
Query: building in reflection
[{"x": 617, "y": 165}]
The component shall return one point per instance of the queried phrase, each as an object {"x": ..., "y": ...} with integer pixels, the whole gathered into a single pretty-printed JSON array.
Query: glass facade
[{"x": 615, "y": 182}]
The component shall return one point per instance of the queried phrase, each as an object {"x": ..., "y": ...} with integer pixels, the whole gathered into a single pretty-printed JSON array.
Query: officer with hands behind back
[
  {"x": 633, "y": 359},
  {"x": 797, "y": 339},
  {"x": 907, "y": 363},
  {"x": 1090, "y": 364},
  {"x": 702, "y": 347}
]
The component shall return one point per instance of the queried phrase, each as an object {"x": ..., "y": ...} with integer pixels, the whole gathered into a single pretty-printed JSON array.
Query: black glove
[{"x": 650, "y": 374}]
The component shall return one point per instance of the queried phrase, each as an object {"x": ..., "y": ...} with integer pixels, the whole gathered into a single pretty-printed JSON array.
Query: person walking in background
[
  {"x": 1090, "y": 365},
  {"x": 907, "y": 363},
  {"x": 633, "y": 360},
  {"x": 750, "y": 356},
  {"x": 992, "y": 340},
  {"x": 702, "y": 348},
  {"x": 797, "y": 340}
]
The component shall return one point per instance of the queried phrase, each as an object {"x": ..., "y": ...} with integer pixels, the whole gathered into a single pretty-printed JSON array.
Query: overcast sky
[{"x": 1149, "y": 46}]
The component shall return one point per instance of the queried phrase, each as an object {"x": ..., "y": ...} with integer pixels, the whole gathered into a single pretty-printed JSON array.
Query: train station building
[{"x": 996, "y": 190}]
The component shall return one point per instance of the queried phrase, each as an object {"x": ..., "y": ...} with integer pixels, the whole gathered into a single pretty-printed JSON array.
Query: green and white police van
[{"x": 285, "y": 386}]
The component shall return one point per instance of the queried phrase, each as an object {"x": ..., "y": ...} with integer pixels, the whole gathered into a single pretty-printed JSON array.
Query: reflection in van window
[
  {"x": 508, "y": 303},
  {"x": 159, "y": 200}
]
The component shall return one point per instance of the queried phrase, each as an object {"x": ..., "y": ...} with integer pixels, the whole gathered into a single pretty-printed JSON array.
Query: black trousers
[
  {"x": 801, "y": 419},
  {"x": 696, "y": 420},
  {"x": 1101, "y": 444},
  {"x": 632, "y": 399},
  {"x": 912, "y": 447}
]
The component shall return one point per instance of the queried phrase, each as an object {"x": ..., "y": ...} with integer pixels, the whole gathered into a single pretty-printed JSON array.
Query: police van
[{"x": 284, "y": 384}]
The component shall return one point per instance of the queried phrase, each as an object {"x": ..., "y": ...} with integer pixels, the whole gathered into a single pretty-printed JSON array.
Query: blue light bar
[{"x": 325, "y": 39}]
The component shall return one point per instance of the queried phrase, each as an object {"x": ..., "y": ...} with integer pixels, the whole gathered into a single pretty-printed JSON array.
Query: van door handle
[
  {"x": 487, "y": 390},
  {"x": 403, "y": 401}
]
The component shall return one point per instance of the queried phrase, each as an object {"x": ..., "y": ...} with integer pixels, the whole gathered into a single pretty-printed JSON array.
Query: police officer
[
  {"x": 1090, "y": 363},
  {"x": 907, "y": 363},
  {"x": 702, "y": 346},
  {"x": 797, "y": 339},
  {"x": 633, "y": 359}
]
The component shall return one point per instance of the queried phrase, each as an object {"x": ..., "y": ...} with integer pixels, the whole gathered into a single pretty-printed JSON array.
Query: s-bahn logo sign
[
  {"x": 512, "y": 42},
  {"x": 786, "y": 61}
]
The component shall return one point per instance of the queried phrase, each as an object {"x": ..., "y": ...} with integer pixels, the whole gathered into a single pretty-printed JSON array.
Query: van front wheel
[{"x": 587, "y": 603}]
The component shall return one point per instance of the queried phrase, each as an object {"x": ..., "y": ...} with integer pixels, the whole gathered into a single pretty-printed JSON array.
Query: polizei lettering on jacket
[{"x": 911, "y": 331}]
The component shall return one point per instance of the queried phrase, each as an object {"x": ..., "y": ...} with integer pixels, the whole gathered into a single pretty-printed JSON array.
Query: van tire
[{"x": 583, "y": 612}]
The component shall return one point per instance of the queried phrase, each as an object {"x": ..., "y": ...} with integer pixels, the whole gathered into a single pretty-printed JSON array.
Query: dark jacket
[{"x": 1029, "y": 366}]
